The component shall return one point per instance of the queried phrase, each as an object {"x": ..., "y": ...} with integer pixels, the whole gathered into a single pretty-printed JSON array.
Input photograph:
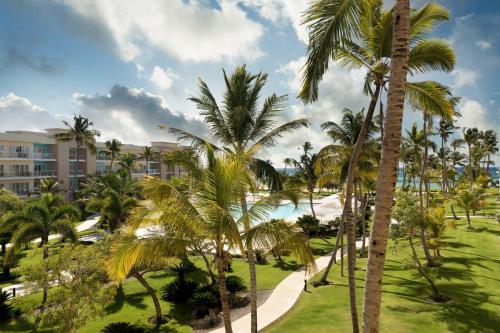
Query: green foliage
[
  {"x": 309, "y": 224},
  {"x": 122, "y": 327},
  {"x": 179, "y": 291},
  {"x": 235, "y": 284},
  {"x": 6, "y": 310},
  {"x": 82, "y": 291}
]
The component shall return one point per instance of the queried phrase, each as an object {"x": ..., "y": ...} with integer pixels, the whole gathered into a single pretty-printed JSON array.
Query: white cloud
[
  {"x": 19, "y": 113},
  {"x": 474, "y": 114},
  {"x": 278, "y": 11},
  {"x": 186, "y": 30},
  {"x": 139, "y": 70},
  {"x": 464, "y": 77},
  {"x": 483, "y": 44},
  {"x": 163, "y": 78}
]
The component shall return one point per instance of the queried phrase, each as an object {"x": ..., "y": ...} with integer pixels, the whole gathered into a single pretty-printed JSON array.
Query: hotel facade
[{"x": 28, "y": 157}]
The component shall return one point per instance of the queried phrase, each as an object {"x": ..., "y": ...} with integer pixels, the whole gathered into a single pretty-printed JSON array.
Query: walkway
[{"x": 281, "y": 300}]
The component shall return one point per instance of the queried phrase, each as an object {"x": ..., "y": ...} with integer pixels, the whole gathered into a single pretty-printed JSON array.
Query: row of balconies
[
  {"x": 27, "y": 156},
  {"x": 27, "y": 174}
]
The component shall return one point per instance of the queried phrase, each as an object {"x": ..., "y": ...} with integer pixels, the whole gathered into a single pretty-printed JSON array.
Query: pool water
[{"x": 289, "y": 211}]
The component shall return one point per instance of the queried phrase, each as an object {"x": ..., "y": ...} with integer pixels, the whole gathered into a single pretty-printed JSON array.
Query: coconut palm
[
  {"x": 84, "y": 136},
  {"x": 208, "y": 214},
  {"x": 358, "y": 34},
  {"x": 49, "y": 185},
  {"x": 114, "y": 148},
  {"x": 470, "y": 200},
  {"x": 445, "y": 129},
  {"x": 148, "y": 154},
  {"x": 306, "y": 168},
  {"x": 471, "y": 136},
  {"x": 127, "y": 163},
  {"x": 490, "y": 146},
  {"x": 114, "y": 207},
  {"x": 40, "y": 218},
  {"x": 241, "y": 125}
]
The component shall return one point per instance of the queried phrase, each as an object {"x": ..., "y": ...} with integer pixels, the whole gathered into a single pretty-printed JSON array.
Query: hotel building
[{"x": 27, "y": 157}]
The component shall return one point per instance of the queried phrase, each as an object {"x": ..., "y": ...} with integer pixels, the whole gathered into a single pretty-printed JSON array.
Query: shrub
[
  {"x": 6, "y": 310},
  {"x": 260, "y": 257},
  {"x": 309, "y": 224},
  {"x": 183, "y": 268},
  {"x": 235, "y": 284},
  {"x": 178, "y": 291},
  {"x": 122, "y": 327},
  {"x": 204, "y": 301}
]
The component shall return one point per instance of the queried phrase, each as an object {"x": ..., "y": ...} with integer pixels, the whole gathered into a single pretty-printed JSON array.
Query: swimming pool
[{"x": 288, "y": 211}]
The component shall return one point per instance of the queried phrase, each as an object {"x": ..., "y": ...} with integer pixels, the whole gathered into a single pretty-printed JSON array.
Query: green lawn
[{"x": 469, "y": 275}]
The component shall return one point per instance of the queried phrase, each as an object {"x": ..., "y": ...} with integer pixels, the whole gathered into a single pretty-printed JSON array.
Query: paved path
[{"x": 281, "y": 300}]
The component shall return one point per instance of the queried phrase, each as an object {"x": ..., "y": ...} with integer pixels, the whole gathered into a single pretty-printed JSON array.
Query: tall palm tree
[
  {"x": 471, "y": 135},
  {"x": 386, "y": 179},
  {"x": 306, "y": 167},
  {"x": 334, "y": 159},
  {"x": 358, "y": 33},
  {"x": 241, "y": 126},
  {"x": 127, "y": 163},
  {"x": 445, "y": 129},
  {"x": 84, "y": 136},
  {"x": 490, "y": 146},
  {"x": 114, "y": 148},
  {"x": 148, "y": 154},
  {"x": 38, "y": 219},
  {"x": 209, "y": 213}
]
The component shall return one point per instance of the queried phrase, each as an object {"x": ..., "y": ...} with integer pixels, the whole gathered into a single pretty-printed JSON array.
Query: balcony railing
[
  {"x": 143, "y": 171},
  {"x": 28, "y": 156},
  {"x": 27, "y": 174},
  {"x": 79, "y": 173}
]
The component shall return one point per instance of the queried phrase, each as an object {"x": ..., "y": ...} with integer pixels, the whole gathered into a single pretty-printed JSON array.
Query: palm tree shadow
[{"x": 287, "y": 266}]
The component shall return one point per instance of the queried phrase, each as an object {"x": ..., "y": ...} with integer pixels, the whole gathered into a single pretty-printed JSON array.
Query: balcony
[
  {"x": 20, "y": 192},
  {"x": 26, "y": 156},
  {"x": 28, "y": 174},
  {"x": 80, "y": 173},
  {"x": 143, "y": 172}
]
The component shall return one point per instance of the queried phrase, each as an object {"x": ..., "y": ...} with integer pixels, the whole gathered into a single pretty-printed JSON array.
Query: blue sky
[{"x": 131, "y": 65}]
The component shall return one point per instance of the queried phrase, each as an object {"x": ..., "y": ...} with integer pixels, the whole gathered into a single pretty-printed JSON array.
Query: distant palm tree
[
  {"x": 127, "y": 163},
  {"x": 471, "y": 136},
  {"x": 38, "y": 219},
  {"x": 490, "y": 146},
  {"x": 305, "y": 166},
  {"x": 114, "y": 148},
  {"x": 242, "y": 127},
  {"x": 148, "y": 154},
  {"x": 470, "y": 200},
  {"x": 114, "y": 207},
  {"x": 445, "y": 129},
  {"x": 84, "y": 136},
  {"x": 49, "y": 185}
]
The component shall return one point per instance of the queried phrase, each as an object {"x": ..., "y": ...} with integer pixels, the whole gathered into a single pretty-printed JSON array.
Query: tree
[
  {"x": 114, "y": 207},
  {"x": 82, "y": 292},
  {"x": 386, "y": 179},
  {"x": 208, "y": 214},
  {"x": 9, "y": 202},
  {"x": 335, "y": 27},
  {"x": 445, "y": 129},
  {"x": 306, "y": 168},
  {"x": 114, "y": 148},
  {"x": 470, "y": 200},
  {"x": 471, "y": 136},
  {"x": 490, "y": 146},
  {"x": 127, "y": 163},
  {"x": 84, "y": 136},
  {"x": 49, "y": 185},
  {"x": 243, "y": 127},
  {"x": 148, "y": 154},
  {"x": 38, "y": 219}
]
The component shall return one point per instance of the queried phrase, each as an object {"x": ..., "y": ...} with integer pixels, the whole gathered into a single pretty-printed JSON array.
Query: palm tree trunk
[
  {"x": 455, "y": 217},
  {"x": 333, "y": 258},
  {"x": 76, "y": 171},
  {"x": 45, "y": 245},
  {"x": 421, "y": 181},
  {"x": 152, "y": 293},
  {"x": 251, "y": 267},
  {"x": 467, "y": 214},
  {"x": 471, "y": 174},
  {"x": 342, "y": 253},
  {"x": 112, "y": 160},
  {"x": 311, "y": 203},
  {"x": 223, "y": 294},
  {"x": 421, "y": 268},
  {"x": 404, "y": 175},
  {"x": 147, "y": 166},
  {"x": 443, "y": 165},
  {"x": 386, "y": 180},
  {"x": 363, "y": 225}
]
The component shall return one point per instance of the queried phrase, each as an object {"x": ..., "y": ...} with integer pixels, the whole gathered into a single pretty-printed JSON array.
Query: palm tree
[
  {"x": 243, "y": 127},
  {"x": 38, "y": 219},
  {"x": 334, "y": 159},
  {"x": 9, "y": 202},
  {"x": 386, "y": 179},
  {"x": 490, "y": 146},
  {"x": 113, "y": 147},
  {"x": 148, "y": 154},
  {"x": 471, "y": 135},
  {"x": 306, "y": 166},
  {"x": 49, "y": 185},
  {"x": 335, "y": 28},
  {"x": 446, "y": 128},
  {"x": 470, "y": 200},
  {"x": 84, "y": 136},
  {"x": 208, "y": 214},
  {"x": 114, "y": 207},
  {"x": 127, "y": 163}
]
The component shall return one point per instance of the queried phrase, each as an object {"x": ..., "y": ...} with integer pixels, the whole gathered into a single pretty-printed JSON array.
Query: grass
[
  {"x": 469, "y": 276},
  {"x": 135, "y": 305}
]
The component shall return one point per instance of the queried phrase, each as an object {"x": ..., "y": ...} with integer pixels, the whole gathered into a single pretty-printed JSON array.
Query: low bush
[
  {"x": 260, "y": 257},
  {"x": 6, "y": 310},
  {"x": 122, "y": 327},
  {"x": 178, "y": 291}
]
